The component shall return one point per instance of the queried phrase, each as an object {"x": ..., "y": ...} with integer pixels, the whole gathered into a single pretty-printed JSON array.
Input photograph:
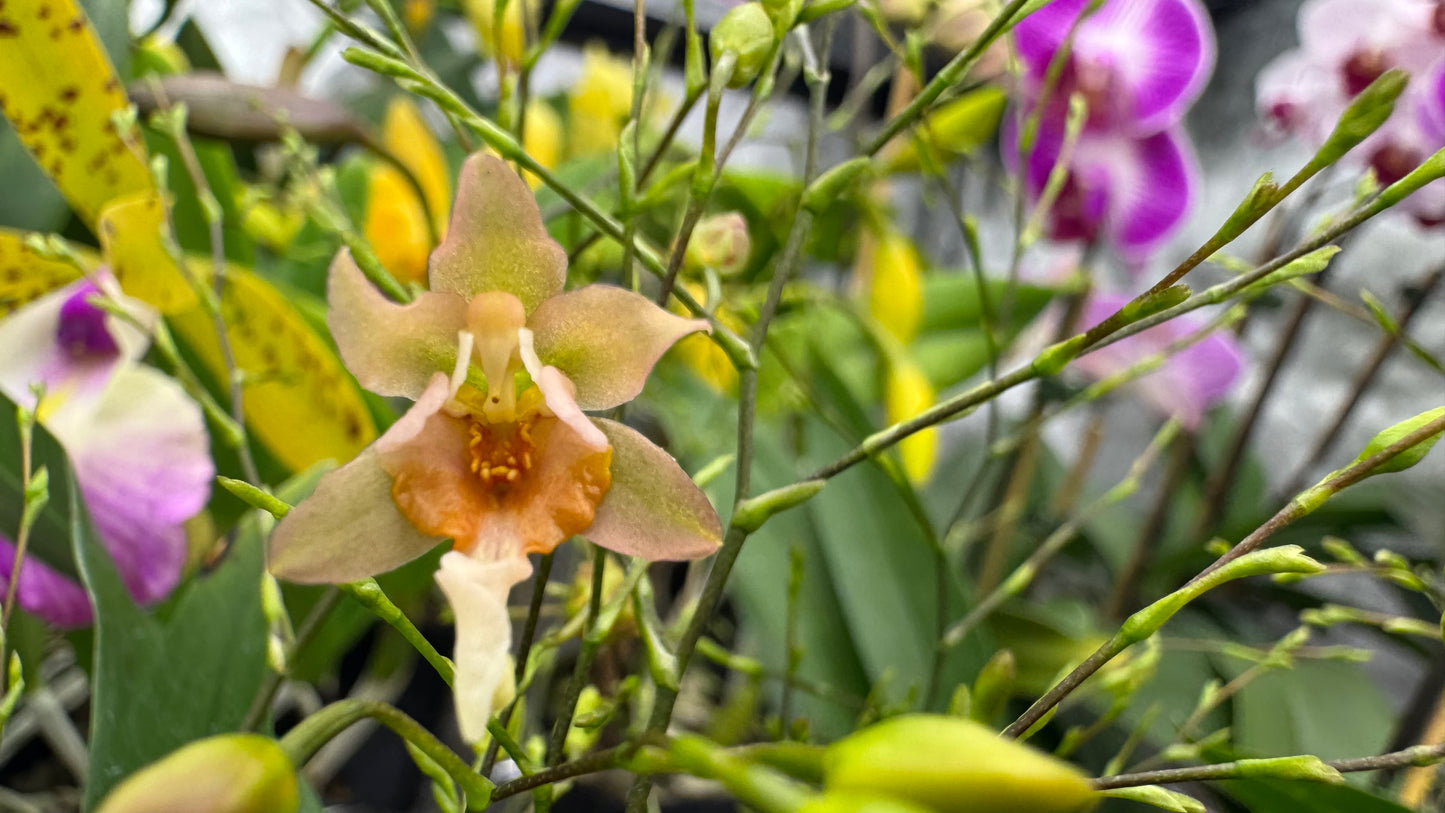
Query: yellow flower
[
  {"x": 542, "y": 138},
  {"x": 893, "y": 273},
  {"x": 907, "y": 393},
  {"x": 508, "y": 45},
  {"x": 599, "y": 104},
  {"x": 396, "y": 223}
]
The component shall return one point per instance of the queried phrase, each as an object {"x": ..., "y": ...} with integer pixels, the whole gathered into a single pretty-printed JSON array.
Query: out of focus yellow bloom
[
  {"x": 270, "y": 224},
  {"x": 509, "y": 44},
  {"x": 705, "y": 358},
  {"x": 599, "y": 104},
  {"x": 542, "y": 137},
  {"x": 906, "y": 393},
  {"x": 417, "y": 14},
  {"x": 396, "y": 222},
  {"x": 891, "y": 271}
]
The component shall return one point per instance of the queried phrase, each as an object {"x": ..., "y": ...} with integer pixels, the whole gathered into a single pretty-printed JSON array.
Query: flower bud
[
  {"x": 747, "y": 31},
  {"x": 230, "y": 773},
  {"x": 834, "y": 802},
  {"x": 953, "y": 765},
  {"x": 720, "y": 242}
]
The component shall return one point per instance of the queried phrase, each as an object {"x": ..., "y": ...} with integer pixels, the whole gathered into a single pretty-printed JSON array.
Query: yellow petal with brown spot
[
  {"x": 25, "y": 275},
  {"x": 59, "y": 90},
  {"x": 131, "y": 230},
  {"x": 300, "y": 402}
]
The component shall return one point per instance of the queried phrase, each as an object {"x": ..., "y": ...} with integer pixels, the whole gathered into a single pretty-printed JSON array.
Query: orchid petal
[
  {"x": 606, "y": 340},
  {"x": 32, "y": 352},
  {"x": 653, "y": 510},
  {"x": 391, "y": 349},
  {"x": 477, "y": 592},
  {"x": 43, "y": 592},
  {"x": 559, "y": 393},
  {"x": 142, "y": 460},
  {"x": 1189, "y": 382},
  {"x": 1145, "y": 59},
  {"x": 496, "y": 240},
  {"x": 350, "y": 528}
]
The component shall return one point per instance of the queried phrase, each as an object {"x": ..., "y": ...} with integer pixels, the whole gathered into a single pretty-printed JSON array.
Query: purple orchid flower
[
  {"x": 136, "y": 441},
  {"x": 1188, "y": 383},
  {"x": 1129, "y": 191},
  {"x": 1344, "y": 46},
  {"x": 1139, "y": 64}
]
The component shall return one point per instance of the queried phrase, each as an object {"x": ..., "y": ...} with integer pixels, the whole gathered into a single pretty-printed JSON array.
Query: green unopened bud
[
  {"x": 720, "y": 242},
  {"x": 1407, "y": 457},
  {"x": 827, "y": 188},
  {"x": 230, "y": 773},
  {"x": 1056, "y": 356},
  {"x": 1306, "y": 768},
  {"x": 842, "y": 802},
  {"x": 1155, "y": 302},
  {"x": 752, "y": 513},
  {"x": 993, "y": 687},
  {"x": 953, "y": 765},
  {"x": 1261, "y": 198},
  {"x": 747, "y": 32},
  {"x": 1160, "y": 797},
  {"x": 1364, "y": 116},
  {"x": 1311, "y": 263}
]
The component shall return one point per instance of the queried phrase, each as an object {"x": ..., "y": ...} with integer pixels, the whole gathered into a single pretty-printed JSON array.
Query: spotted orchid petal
[
  {"x": 1139, "y": 63},
  {"x": 1133, "y": 192},
  {"x": 496, "y": 240},
  {"x": 477, "y": 591},
  {"x": 392, "y": 349},
  {"x": 1189, "y": 383},
  {"x": 350, "y": 528},
  {"x": 653, "y": 510},
  {"x": 606, "y": 341}
]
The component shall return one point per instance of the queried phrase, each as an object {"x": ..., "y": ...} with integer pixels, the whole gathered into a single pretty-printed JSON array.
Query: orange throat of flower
[{"x": 501, "y": 453}]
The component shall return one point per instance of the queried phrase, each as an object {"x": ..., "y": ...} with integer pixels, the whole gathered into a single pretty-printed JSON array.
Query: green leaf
[
  {"x": 951, "y": 301},
  {"x": 1293, "y": 797},
  {"x": 1291, "y": 712},
  {"x": 50, "y": 535},
  {"x": 162, "y": 678}
]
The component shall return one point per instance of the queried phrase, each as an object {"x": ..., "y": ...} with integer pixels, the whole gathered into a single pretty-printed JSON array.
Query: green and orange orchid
[{"x": 497, "y": 453}]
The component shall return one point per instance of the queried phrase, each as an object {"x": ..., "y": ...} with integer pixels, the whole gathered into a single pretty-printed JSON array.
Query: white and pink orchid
[
  {"x": 136, "y": 441},
  {"x": 497, "y": 453}
]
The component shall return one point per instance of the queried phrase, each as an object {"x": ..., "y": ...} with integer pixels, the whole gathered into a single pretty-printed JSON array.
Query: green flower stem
[
  {"x": 1024, "y": 574},
  {"x": 518, "y": 752},
  {"x": 744, "y": 665},
  {"x": 757, "y": 786},
  {"x": 1298, "y": 767},
  {"x": 948, "y": 77},
  {"x": 261, "y": 703},
  {"x": 591, "y": 763},
  {"x": 592, "y": 637},
  {"x": 1227, "y": 567},
  {"x": 34, "y": 485},
  {"x": 370, "y": 595},
  {"x": 303, "y": 741}
]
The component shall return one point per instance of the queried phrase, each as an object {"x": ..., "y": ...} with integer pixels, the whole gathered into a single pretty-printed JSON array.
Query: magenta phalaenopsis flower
[
  {"x": 136, "y": 441},
  {"x": 1185, "y": 386},
  {"x": 1344, "y": 46},
  {"x": 1137, "y": 65}
]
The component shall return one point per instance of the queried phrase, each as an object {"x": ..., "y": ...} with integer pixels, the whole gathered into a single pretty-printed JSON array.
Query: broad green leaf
[
  {"x": 50, "y": 535},
  {"x": 60, "y": 92},
  {"x": 1297, "y": 797},
  {"x": 24, "y": 275},
  {"x": 186, "y": 670},
  {"x": 1281, "y": 713},
  {"x": 300, "y": 401},
  {"x": 951, "y": 302}
]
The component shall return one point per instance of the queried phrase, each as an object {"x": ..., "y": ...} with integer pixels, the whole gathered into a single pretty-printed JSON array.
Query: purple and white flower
[
  {"x": 136, "y": 442},
  {"x": 1188, "y": 384},
  {"x": 1344, "y": 46},
  {"x": 1138, "y": 65}
]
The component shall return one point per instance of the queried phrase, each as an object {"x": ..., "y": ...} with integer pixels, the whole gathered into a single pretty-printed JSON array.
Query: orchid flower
[
  {"x": 1139, "y": 64},
  {"x": 1131, "y": 192},
  {"x": 136, "y": 441},
  {"x": 496, "y": 453},
  {"x": 1188, "y": 383},
  {"x": 1344, "y": 46}
]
